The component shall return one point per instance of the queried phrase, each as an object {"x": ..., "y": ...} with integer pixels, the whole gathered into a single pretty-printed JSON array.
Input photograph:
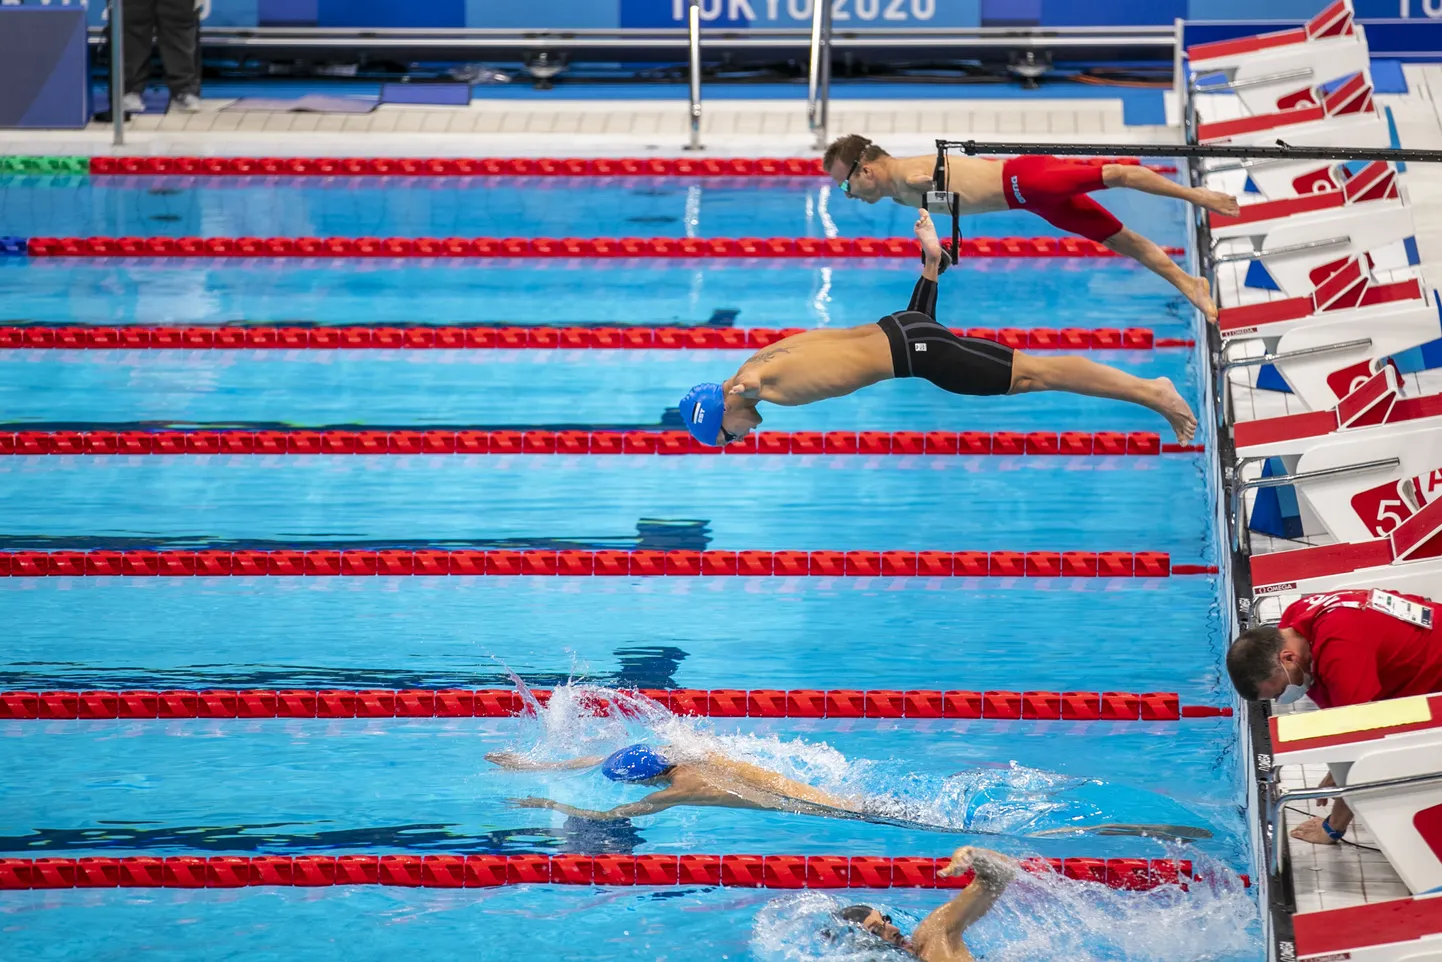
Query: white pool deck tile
[
  {"x": 741, "y": 128},
  {"x": 1337, "y": 876}
]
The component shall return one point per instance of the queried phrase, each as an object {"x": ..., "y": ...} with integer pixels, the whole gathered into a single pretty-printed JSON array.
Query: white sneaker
[
  {"x": 132, "y": 104},
  {"x": 187, "y": 104}
]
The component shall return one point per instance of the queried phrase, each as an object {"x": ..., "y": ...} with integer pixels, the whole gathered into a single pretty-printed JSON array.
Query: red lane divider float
[
  {"x": 567, "y": 563},
  {"x": 500, "y": 703},
  {"x": 403, "y": 442},
  {"x": 237, "y": 337},
  {"x": 588, "y": 247},
  {"x": 488, "y": 871},
  {"x": 494, "y": 166}
]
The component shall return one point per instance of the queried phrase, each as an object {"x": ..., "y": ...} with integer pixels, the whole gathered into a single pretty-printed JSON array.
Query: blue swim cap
[
  {"x": 701, "y": 409},
  {"x": 634, "y": 763}
]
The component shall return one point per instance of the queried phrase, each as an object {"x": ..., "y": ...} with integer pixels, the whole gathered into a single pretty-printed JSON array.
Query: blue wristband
[{"x": 1332, "y": 833}]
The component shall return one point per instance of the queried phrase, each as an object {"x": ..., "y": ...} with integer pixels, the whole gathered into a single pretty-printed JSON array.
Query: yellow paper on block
[{"x": 1353, "y": 718}]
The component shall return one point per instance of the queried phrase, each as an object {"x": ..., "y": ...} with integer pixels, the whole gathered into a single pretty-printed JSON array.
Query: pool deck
[{"x": 572, "y": 128}]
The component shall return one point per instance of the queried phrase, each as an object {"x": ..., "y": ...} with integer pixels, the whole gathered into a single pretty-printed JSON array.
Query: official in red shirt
[{"x": 1341, "y": 648}]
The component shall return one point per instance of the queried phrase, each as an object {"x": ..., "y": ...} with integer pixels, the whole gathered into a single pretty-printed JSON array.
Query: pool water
[{"x": 287, "y": 786}]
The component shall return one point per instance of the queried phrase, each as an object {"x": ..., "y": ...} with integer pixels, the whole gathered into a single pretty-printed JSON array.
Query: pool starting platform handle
[
  {"x": 939, "y": 200},
  {"x": 1283, "y": 151}
]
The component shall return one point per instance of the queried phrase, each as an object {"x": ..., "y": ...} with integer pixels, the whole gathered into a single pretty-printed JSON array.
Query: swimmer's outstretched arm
[
  {"x": 655, "y": 802},
  {"x": 515, "y": 762},
  {"x": 993, "y": 873}
]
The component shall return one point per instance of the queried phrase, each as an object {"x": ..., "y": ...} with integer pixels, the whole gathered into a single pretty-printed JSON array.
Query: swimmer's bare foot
[
  {"x": 1199, "y": 291},
  {"x": 1216, "y": 202},
  {"x": 926, "y": 233},
  {"x": 1312, "y": 831},
  {"x": 1172, "y": 406}
]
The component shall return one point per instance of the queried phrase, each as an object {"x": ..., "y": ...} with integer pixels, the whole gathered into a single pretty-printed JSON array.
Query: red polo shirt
[{"x": 1360, "y": 654}]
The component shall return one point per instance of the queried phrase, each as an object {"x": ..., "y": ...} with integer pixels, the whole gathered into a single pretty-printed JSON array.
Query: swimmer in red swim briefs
[{"x": 1054, "y": 189}]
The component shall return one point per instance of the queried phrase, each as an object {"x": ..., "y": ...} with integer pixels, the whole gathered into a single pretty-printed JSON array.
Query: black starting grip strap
[{"x": 938, "y": 182}]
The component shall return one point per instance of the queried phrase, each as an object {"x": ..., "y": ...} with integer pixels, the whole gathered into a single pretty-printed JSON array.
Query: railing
[
  {"x": 117, "y": 72},
  {"x": 818, "y": 87},
  {"x": 1279, "y": 835},
  {"x": 693, "y": 27}
]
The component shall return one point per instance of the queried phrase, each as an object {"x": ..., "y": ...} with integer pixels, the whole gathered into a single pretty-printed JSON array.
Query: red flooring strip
[
  {"x": 328, "y": 442},
  {"x": 239, "y": 337},
  {"x": 486, "y": 871},
  {"x": 501, "y": 703},
  {"x": 471, "y": 563},
  {"x": 585, "y": 247},
  {"x": 494, "y": 166}
]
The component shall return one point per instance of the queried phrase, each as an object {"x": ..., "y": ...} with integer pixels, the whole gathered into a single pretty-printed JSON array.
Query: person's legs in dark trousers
[
  {"x": 176, "y": 28},
  {"x": 139, "y": 40}
]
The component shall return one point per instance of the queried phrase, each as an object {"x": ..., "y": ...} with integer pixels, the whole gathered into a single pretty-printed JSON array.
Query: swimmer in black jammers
[{"x": 815, "y": 365}]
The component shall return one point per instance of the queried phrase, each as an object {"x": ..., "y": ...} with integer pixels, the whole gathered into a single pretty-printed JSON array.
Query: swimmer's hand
[
  {"x": 530, "y": 803},
  {"x": 960, "y": 863},
  {"x": 512, "y": 760},
  {"x": 516, "y": 762},
  {"x": 744, "y": 389}
]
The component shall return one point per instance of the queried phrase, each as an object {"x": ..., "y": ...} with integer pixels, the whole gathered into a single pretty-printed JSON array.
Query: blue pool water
[{"x": 292, "y": 786}]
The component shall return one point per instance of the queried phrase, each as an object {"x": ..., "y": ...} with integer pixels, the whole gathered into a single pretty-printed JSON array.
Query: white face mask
[{"x": 1293, "y": 692}]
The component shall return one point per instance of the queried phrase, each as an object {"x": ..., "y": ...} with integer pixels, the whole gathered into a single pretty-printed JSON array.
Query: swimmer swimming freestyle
[
  {"x": 939, "y": 937},
  {"x": 1052, "y": 188},
  {"x": 717, "y": 781},
  {"x": 820, "y": 364}
]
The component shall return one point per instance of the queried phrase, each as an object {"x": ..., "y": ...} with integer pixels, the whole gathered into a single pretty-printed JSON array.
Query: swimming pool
[{"x": 172, "y": 787}]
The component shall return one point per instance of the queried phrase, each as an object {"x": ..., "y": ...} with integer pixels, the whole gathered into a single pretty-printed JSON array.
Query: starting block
[
  {"x": 1401, "y": 929},
  {"x": 1276, "y": 71},
  {"x": 1392, "y": 739},
  {"x": 1301, "y": 241},
  {"x": 1326, "y": 343},
  {"x": 1408, "y": 560}
]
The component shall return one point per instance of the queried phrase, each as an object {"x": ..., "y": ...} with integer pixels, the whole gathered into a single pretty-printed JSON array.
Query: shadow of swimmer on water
[{"x": 685, "y": 762}]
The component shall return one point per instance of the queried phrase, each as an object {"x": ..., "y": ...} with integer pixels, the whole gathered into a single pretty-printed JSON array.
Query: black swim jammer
[{"x": 920, "y": 347}]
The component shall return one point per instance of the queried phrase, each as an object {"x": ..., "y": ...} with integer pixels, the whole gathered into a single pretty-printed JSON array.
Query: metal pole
[
  {"x": 693, "y": 24},
  {"x": 1283, "y": 152},
  {"x": 818, "y": 85},
  {"x": 117, "y": 72}
]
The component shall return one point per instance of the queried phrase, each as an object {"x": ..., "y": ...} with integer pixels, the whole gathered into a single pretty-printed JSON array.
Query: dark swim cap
[{"x": 634, "y": 763}]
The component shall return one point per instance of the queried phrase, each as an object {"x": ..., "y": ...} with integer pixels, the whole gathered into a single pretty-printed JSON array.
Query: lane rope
[
  {"x": 487, "y": 871},
  {"x": 425, "y": 337},
  {"x": 502, "y": 703},
  {"x": 406, "y": 562},
  {"x": 451, "y": 166},
  {"x": 407, "y": 442},
  {"x": 543, "y": 247}
]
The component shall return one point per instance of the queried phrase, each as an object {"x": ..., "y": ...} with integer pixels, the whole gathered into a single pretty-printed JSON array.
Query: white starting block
[
  {"x": 1376, "y": 464},
  {"x": 1402, "y": 930},
  {"x": 1301, "y": 241},
  {"x": 1325, "y": 344},
  {"x": 1360, "y": 469},
  {"x": 1276, "y": 71},
  {"x": 1393, "y": 739},
  {"x": 1346, "y": 116},
  {"x": 1408, "y": 560}
]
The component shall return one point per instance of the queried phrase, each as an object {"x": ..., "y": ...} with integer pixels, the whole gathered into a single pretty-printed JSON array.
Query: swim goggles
[{"x": 846, "y": 184}]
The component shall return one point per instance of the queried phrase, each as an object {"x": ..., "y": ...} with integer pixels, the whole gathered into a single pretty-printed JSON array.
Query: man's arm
[
  {"x": 655, "y": 802},
  {"x": 512, "y": 761},
  {"x": 993, "y": 873}
]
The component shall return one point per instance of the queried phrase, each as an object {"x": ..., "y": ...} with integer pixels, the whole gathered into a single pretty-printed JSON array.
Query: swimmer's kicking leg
[{"x": 1076, "y": 375}]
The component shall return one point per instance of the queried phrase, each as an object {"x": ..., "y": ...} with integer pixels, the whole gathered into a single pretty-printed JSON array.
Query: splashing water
[
  {"x": 1039, "y": 917},
  {"x": 580, "y": 719}
]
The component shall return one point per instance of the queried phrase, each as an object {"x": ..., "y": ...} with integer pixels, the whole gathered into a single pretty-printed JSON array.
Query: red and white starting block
[
  {"x": 1408, "y": 560},
  {"x": 1359, "y": 470},
  {"x": 1402, "y": 930},
  {"x": 1326, "y": 343},
  {"x": 1302, "y": 240},
  {"x": 1346, "y": 115},
  {"x": 1400, "y": 738},
  {"x": 1277, "y": 71}
]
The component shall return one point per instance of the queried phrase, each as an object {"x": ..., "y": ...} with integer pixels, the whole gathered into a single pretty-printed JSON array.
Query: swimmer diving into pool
[
  {"x": 1052, "y": 188},
  {"x": 939, "y": 937},
  {"x": 716, "y": 781},
  {"x": 816, "y": 365}
]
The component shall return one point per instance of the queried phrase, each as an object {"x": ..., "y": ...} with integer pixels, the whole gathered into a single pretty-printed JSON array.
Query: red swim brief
[{"x": 1056, "y": 191}]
